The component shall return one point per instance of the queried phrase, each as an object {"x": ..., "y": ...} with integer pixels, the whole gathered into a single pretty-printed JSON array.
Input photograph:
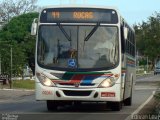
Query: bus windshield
[{"x": 77, "y": 47}]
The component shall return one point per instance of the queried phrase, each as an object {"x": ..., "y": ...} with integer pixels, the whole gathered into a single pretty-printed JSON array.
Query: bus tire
[
  {"x": 52, "y": 105},
  {"x": 115, "y": 106},
  {"x": 128, "y": 101}
]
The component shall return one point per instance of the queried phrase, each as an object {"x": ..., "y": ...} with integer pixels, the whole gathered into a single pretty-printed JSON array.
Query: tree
[
  {"x": 11, "y": 8},
  {"x": 148, "y": 37},
  {"x": 17, "y": 34}
]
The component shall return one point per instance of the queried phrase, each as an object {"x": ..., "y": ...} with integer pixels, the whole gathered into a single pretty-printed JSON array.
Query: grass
[
  {"x": 23, "y": 84},
  {"x": 140, "y": 72}
]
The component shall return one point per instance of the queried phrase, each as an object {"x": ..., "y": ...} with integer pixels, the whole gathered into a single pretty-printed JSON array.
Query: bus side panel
[{"x": 130, "y": 77}]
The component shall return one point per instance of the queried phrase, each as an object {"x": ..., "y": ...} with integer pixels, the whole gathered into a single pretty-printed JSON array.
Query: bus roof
[{"x": 81, "y": 6}]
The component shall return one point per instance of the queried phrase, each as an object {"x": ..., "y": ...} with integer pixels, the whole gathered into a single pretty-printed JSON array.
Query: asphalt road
[{"x": 21, "y": 105}]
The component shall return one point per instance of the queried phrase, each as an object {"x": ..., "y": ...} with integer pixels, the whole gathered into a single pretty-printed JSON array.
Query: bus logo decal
[{"x": 76, "y": 84}]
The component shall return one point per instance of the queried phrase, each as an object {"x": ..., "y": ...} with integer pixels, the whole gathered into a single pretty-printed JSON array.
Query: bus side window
[
  {"x": 123, "y": 41},
  {"x": 127, "y": 46}
]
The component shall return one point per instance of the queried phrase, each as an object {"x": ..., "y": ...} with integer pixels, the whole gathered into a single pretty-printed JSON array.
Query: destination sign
[{"x": 69, "y": 15}]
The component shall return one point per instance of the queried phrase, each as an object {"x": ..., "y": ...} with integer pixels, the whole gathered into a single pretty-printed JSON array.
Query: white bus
[{"x": 84, "y": 53}]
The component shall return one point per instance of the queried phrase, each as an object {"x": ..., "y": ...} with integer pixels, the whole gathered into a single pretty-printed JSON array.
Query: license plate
[{"x": 107, "y": 94}]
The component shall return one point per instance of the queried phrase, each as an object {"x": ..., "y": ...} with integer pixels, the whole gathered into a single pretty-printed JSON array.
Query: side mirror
[
  {"x": 125, "y": 31},
  {"x": 34, "y": 27}
]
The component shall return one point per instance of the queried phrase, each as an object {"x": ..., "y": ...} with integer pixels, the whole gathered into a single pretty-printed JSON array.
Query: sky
[{"x": 134, "y": 11}]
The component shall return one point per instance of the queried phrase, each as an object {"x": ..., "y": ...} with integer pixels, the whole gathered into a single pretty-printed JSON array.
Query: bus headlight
[
  {"x": 109, "y": 82},
  {"x": 45, "y": 80}
]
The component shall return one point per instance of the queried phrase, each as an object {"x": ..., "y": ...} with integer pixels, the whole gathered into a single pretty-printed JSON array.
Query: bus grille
[
  {"x": 81, "y": 84},
  {"x": 76, "y": 93}
]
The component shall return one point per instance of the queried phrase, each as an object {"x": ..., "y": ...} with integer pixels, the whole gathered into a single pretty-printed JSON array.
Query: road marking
[{"x": 140, "y": 107}]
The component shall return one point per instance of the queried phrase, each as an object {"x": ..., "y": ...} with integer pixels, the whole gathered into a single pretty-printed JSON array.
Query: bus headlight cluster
[
  {"x": 45, "y": 80},
  {"x": 109, "y": 82}
]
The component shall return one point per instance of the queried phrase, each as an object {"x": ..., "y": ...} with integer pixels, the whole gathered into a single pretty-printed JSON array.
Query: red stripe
[
  {"x": 76, "y": 78},
  {"x": 123, "y": 71}
]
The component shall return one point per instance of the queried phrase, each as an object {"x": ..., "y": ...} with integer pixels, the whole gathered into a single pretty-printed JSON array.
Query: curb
[
  {"x": 18, "y": 90},
  {"x": 143, "y": 74}
]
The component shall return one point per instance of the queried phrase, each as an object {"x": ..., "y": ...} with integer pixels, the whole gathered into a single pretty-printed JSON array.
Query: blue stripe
[{"x": 89, "y": 79}]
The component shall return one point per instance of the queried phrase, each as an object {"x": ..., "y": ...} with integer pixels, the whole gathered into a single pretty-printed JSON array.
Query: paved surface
[
  {"x": 148, "y": 82},
  {"x": 13, "y": 95},
  {"x": 22, "y": 104}
]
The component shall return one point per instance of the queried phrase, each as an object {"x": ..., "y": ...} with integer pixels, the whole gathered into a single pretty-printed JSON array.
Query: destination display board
[{"x": 78, "y": 15}]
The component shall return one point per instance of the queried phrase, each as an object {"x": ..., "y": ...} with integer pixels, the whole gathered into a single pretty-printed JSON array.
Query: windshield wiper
[
  {"x": 92, "y": 32},
  {"x": 64, "y": 32}
]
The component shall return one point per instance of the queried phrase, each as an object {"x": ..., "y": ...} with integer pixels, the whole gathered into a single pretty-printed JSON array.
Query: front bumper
[{"x": 78, "y": 94}]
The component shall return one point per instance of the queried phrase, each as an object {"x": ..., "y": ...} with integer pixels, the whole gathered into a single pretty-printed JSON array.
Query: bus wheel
[
  {"x": 52, "y": 105},
  {"x": 128, "y": 101},
  {"x": 115, "y": 106}
]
